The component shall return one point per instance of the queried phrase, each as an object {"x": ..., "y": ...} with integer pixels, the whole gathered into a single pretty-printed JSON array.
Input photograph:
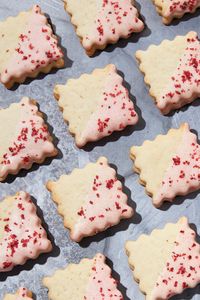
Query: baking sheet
[{"x": 115, "y": 148}]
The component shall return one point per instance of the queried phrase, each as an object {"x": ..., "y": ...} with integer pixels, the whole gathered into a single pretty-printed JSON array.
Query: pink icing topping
[
  {"x": 23, "y": 237},
  {"x": 105, "y": 204},
  {"x": 185, "y": 83},
  {"x": 115, "y": 19},
  {"x": 37, "y": 48},
  {"x": 183, "y": 174},
  {"x": 115, "y": 111},
  {"x": 183, "y": 268},
  {"x": 23, "y": 294},
  {"x": 31, "y": 142},
  {"x": 180, "y": 6},
  {"x": 101, "y": 285}
]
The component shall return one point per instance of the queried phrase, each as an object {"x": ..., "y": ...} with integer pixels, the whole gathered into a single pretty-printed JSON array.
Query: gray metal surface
[{"x": 116, "y": 148}]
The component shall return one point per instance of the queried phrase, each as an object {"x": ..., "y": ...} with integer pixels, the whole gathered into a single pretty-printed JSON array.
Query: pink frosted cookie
[
  {"x": 89, "y": 280},
  {"x": 169, "y": 165},
  {"x": 90, "y": 199},
  {"x": 22, "y": 236},
  {"x": 165, "y": 262},
  {"x": 172, "y": 70},
  {"x": 24, "y": 137},
  {"x": 170, "y": 9},
  {"x": 28, "y": 47},
  {"x": 95, "y": 105},
  {"x": 102, "y": 22},
  {"x": 22, "y": 294}
]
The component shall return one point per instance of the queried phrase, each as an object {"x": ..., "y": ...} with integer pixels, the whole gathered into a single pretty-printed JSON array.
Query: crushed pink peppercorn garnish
[
  {"x": 115, "y": 97},
  {"x": 176, "y": 160},
  {"x": 182, "y": 6},
  {"x": 110, "y": 183},
  {"x": 81, "y": 212},
  {"x": 102, "y": 124},
  {"x": 185, "y": 169}
]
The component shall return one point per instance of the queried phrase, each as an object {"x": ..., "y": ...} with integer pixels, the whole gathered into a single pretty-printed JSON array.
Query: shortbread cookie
[
  {"x": 172, "y": 70},
  {"x": 89, "y": 280},
  {"x": 170, "y": 9},
  {"x": 22, "y": 236},
  {"x": 165, "y": 262},
  {"x": 169, "y": 165},
  {"x": 24, "y": 137},
  {"x": 95, "y": 105},
  {"x": 22, "y": 294},
  {"x": 90, "y": 199},
  {"x": 102, "y": 22},
  {"x": 27, "y": 47}
]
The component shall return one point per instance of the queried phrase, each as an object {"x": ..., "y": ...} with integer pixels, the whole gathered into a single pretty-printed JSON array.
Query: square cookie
[
  {"x": 24, "y": 137},
  {"x": 172, "y": 70},
  {"x": 22, "y": 236},
  {"x": 28, "y": 47},
  {"x": 167, "y": 261},
  {"x": 95, "y": 105},
  {"x": 169, "y": 165},
  {"x": 170, "y": 9},
  {"x": 21, "y": 294},
  {"x": 90, "y": 279},
  {"x": 90, "y": 199},
  {"x": 102, "y": 22}
]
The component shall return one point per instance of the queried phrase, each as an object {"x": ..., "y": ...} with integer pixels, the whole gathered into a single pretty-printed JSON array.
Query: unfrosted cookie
[
  {"x": 102, "y": 22},
  {"x": 24, "y": 137},
  {"x": 172, "y": 70},
  {"x": 22, "y": 236},
  {"x": 170, "y": 9},
  {"x": 167, "y": 261},
  {"x": 27, "y": 47},
  {"x": 169, "y": 165},
  {"x": 90, "y": 199},
  {"x": 89, "y": 280},
  {"x": 95, "y": 105},
  {"x": 21, "y": 294}
]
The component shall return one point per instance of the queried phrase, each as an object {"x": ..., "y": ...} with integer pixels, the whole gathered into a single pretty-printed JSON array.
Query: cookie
[
  {"x": 24, "y": 137},
  {"x": 169, "y": 165},
  {"x": 103, "y": 22},
  {"x": 22, "y": 236},
  {"x": 167, "y": 261},
  {"x": 95, "y": 105},
  {"x": 172, "y": 70},
  {"x": 28, "y": 47},
  {"x": 170, "y": 9},
  {"x": 22, "y": 294},
  {"x": 90, "y": 279},
  {"x": 90, "y": 199}
]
